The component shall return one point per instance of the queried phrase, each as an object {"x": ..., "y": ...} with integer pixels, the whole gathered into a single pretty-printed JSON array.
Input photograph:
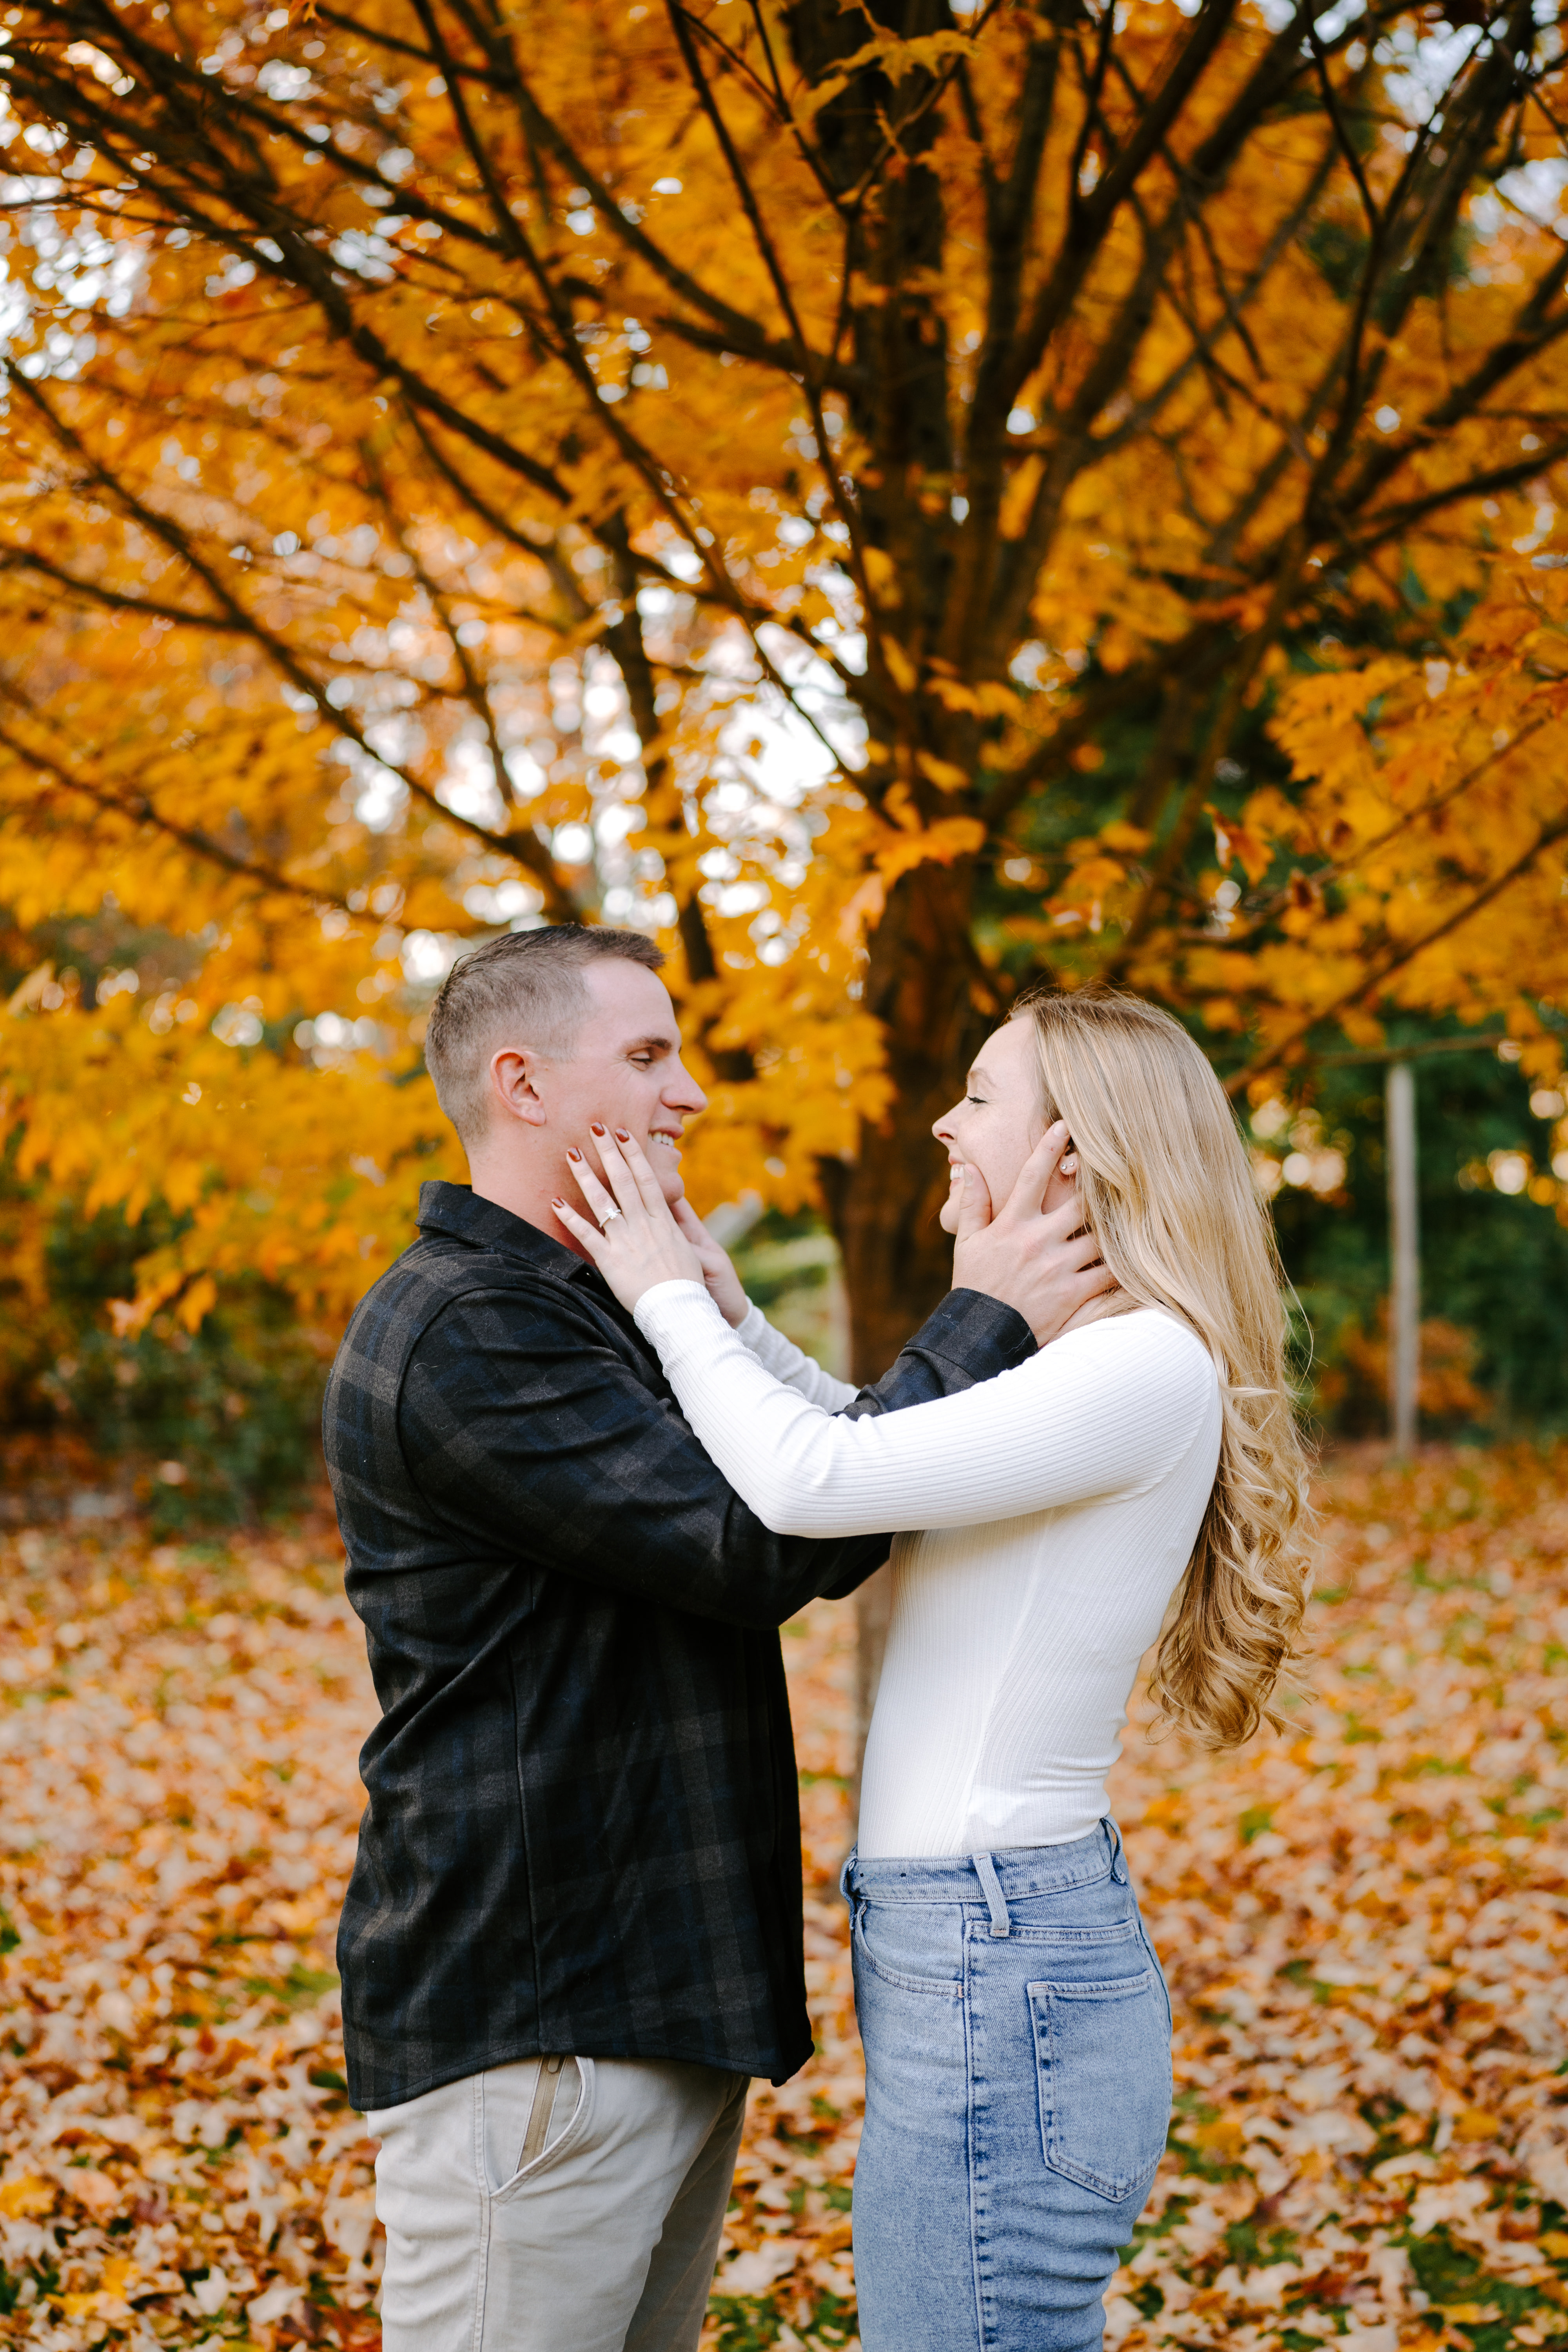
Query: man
[{"x": 574, "y": 1928}]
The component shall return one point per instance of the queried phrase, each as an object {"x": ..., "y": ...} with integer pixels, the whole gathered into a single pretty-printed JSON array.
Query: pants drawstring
[{"x": 986, "y": 1870}]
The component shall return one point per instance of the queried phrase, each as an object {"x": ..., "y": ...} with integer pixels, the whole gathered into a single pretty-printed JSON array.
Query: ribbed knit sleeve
[
  {"x": 1102, "y": 1411},
  {"x": 791, "y": 1364}
]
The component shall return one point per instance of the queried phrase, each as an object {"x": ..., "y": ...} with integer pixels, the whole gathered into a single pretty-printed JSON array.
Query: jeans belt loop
[
  {"x": 845, "y": 1888},
  {"x": 986, "y": 1870},
  {"x": 1118, "y": 1851}
]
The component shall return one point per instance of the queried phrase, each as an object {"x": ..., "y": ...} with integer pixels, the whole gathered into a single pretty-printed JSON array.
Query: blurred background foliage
[
  {"x": 219, "y": 1423},
  {"x": 1494, "y": 1255},
  {"x": 213, "y": 1426},
  {"x": 1494, "y": 1259},
  {"x": 683, "y": 491}
]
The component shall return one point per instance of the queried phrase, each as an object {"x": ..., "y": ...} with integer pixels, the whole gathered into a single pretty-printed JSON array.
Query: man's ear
[{"x": 515, "y": 1085}]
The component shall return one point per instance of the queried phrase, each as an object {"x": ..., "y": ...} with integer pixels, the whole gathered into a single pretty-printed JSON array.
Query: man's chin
[{"x": 666, "y": 1166}]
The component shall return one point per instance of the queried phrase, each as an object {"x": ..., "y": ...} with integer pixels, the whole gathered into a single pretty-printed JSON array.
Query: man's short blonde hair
[{"x": 524, "y": 988}]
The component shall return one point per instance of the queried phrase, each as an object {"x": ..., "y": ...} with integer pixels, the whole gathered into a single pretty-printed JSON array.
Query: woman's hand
[
  {"x": 723, "y": 1283},
  {"x": 637, "y": 1242}
]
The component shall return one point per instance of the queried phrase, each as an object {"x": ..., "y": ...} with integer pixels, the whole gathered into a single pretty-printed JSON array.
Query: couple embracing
[{"x": 581, "y": 1482}]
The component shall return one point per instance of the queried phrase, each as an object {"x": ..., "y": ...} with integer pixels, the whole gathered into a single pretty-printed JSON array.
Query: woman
[{"x": 1015, "y": 2019}]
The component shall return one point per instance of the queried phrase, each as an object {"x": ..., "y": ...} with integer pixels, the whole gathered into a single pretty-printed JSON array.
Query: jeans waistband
[{"x": 1007, "y": 1875}]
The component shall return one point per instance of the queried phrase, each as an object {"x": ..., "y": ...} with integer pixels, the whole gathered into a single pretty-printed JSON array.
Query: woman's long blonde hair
[{"x": 1167, "y": 1193}]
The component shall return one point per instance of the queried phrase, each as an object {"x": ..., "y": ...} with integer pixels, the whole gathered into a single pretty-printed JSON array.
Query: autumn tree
[{"x": 893, "y": 497}]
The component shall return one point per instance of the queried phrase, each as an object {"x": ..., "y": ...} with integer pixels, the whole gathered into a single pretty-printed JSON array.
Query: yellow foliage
[
  {"x": 945, "y": 774},
  {"x": 26, "y": 2194},
  {"x": 954, "y": 836},
  {"x": 433, "y": 493}
]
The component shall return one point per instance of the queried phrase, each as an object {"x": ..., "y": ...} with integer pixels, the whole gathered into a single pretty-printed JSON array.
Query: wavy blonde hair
[{"x": 1168, "y": 1194}]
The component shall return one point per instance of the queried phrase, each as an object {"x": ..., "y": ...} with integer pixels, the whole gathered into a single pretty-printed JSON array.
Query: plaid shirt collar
[{"x": 467, "y": 1216}]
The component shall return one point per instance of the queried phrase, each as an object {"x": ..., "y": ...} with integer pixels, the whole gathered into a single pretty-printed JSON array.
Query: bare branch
[{"x": 1090, "y": 216}]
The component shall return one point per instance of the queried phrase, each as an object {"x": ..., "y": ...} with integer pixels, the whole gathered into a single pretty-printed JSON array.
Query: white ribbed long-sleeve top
[{"x": 1057, "y": 1507}]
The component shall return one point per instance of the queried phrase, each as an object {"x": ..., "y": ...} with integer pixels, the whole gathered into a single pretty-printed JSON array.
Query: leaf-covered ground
[{"x": 1366, "y": 1925}]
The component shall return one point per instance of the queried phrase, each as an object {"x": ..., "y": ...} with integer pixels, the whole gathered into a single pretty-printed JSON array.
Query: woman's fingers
[
  {"x": 648, "y": 1186},
  {"x": 592, "y": 1239},
  {"x": 593, "y": 1192},
  {"x": 621, "y": 1181},
  {"x": 632, "y": 1247}
]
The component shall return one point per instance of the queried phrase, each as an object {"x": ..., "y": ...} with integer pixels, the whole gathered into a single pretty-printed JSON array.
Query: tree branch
[
  {"x": 1397, "y": 957},
  {"x": 162, "y": 527},
  {"x": 1089, "y": 218},
  {"x": 140, "y": 810}
]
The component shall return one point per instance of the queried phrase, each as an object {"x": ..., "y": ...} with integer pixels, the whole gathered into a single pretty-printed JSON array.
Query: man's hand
[{"x": 1043, "y": 1263}]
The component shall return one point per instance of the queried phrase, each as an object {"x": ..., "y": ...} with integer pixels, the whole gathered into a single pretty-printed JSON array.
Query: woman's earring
[{"x": 1069, "y": 1165}]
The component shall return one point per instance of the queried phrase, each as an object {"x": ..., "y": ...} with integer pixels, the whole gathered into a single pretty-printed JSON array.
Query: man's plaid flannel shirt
[{"x": 583, "y": 1834}]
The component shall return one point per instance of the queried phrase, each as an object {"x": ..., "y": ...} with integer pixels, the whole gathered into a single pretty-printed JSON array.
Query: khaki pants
[{"x": 556, "y": 2205}]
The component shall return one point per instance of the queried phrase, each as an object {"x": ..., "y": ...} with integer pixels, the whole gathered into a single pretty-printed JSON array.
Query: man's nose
[{"x": 684, "y": 1094}]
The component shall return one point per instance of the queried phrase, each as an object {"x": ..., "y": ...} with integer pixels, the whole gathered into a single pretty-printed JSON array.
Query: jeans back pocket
[{"x": 1102, "y": 2054}]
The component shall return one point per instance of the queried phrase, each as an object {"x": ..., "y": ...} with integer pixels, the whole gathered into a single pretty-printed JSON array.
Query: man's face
[{"x": 625, "y": 1070}]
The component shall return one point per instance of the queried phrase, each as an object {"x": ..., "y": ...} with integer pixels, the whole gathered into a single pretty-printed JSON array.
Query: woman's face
[{"x": 995, "y": 1123}]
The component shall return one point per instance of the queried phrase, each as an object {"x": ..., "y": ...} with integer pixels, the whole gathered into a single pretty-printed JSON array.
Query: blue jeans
[{"x": 1017, "y": 2036}]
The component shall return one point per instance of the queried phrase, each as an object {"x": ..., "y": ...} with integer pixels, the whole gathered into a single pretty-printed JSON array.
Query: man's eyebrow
[{"x": 654, "y": 1045}]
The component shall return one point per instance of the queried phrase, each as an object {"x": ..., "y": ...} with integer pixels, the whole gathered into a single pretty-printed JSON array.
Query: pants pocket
[
  {"x": 529, "y": 2109},
  {"x": 1102, "y": 2055},
  {"x": 911, "y": 1945}
]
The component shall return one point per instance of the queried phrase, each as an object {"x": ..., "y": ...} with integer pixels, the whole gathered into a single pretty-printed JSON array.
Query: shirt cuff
[{"x": 978, "y": 1333}]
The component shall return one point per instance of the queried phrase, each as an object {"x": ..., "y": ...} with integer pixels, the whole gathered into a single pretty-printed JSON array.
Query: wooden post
[{"x": 1404, "y": 1257}]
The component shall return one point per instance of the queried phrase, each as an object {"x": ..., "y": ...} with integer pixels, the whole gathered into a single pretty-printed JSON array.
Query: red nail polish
[
  {"x": 573, "y": 1153},
  {"x": 594, "y": 1127},
  {"x": 621, "y": 1135}
]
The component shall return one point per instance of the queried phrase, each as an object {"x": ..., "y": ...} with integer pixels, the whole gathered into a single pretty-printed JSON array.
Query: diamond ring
[{"x": 608, "y": 1218}]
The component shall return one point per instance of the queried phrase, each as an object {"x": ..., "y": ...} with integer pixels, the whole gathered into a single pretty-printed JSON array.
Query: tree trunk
[{"x": 936, "y": 1002}]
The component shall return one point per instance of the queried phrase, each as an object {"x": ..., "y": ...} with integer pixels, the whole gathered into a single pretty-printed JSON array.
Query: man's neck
[{"x": 525, "y": 1193}]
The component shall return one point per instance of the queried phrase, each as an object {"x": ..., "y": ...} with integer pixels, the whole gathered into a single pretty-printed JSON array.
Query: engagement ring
[{"x": 608, "y": 1218}]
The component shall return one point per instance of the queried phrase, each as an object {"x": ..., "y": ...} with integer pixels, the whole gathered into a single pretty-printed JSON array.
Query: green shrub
[{"x": 217, "y": 1424}]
